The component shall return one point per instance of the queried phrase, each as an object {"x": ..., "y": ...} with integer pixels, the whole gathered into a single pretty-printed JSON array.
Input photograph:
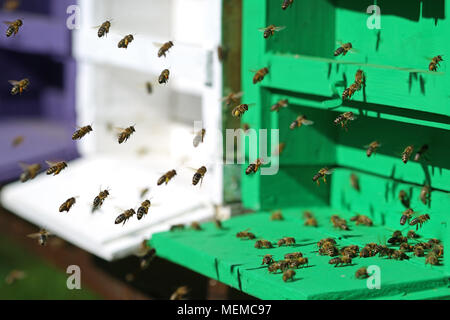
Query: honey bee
[
  {"x": 259, "y": 75},
  {"x": 434, "y": 64},
  {"x": 404, "y": 198},
  {"x": 354, "y": 182},
  {"x": 29, "y": 171},
  {"x": 199, "y": 136},
  {"x": 217, "y": 223},
  {"x": 397, "y": 237},
  {"x": 144, "y": 192},
  {"x": 232, "y": 98},
  {"x": 322, "y": 242},
  {"x": 341, "y": 261},
  {"x": 267, "y": 259},
  {"x": 180, "y": 293},
  {"x": 67, "y": 204},
  {"x": 270, "y": 30},
  {"x": 406, "y": 154},
  {"x": 362, "y": 219},
  {"x": 399, "y": 255},
  {"x": 406, "y": 215},
  {"x": 124, "y": 134},
  {"x": 420, "y": 153},
  {"x": 299, "y": 121},
  {"x": 293, "y": 255},
  {"x": 361, "y": 273},
  {"x": 425, "y": 194},
  {"x": 322, "y": 173},
  {"x": 301, "y": 261},
  {"x": 288, "y": 275},
  {"x": 311, "y": 222},
  {"x": 149, "y": 87},
  {"x": 286, "y": 4},
  {"x": 165, "y": 178},
  {"x": 42, "y": 236},
  {"x": 99, "y": 199},
  {"x": 19, "y": 86},
  {"x": 263, "y": 244},
  {"x": 419, "y": 221},
  {"x": 81, "y": 132},
  {"x": 338, "y": 222},
  {"x": 350, "y": 91},
  {"x": 344, "y": 118},
  {"x": 164, "y": 49},
  {"x": 351, "y": 251},
  {"x": 343, "y": 49},
  {"x": 276, "y": 215},
  {"x": 253, "y": 167},
  {"x": 143, "y": 209},
  {"x": 405, "y": 246},
  {"x": 372, "y": 148},
  {"x": 245, "y": 235},
  {"x": 329, "y": 249},
  {"x": 438, "y": 249},
  {"x": 198, "y": 176},
  {"x": 124, "y": 216},
  {"x": 17, "y": 141},
  {"x": 164, "y": 76},
  {"x": 359, "y": 77},
  {"x": 13, "y": 276},
  {"x": 419, "y": 251},
  {"x": 239, "y": 110},
  {"x": 125, "y": 41},
  {"x": 55, "y": 167},
  {"x": 103, "y": 29},
  {"x": 286, "y": 241},
  {"x": 13, "y": 27},
  {"x": 432, "y": 258},
  {"x": 412, "y": 235},
  {"x": 283, "y": 103},
  {"x": 177, "y": 227},
  {"x": 146, "y": 254}
]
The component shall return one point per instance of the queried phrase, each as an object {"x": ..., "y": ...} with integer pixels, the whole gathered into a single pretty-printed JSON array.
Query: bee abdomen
[
  {"x": 338, "y": 51},
  {"x": 120, "y": 219},
  {"x": 9, "y": 31},
  {"x": 141, "y": 212},
  {"x": 250, "y": 169},
  {"x": 196, "y": 178},
  {"x": 161, "y": 180}
]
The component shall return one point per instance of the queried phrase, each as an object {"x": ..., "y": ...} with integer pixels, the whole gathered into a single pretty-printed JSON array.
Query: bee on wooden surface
[
  {"x": 404, "y": 198},
  {"x": 267, "y": 259},
  {"x": 13, "y": 276},
  {"x": 263, "y": 244},
  {"x": 164, "y": 76},
  {"x": 432, "y": 259},
  {"x": 42, "y": 236},
  {"x": 399, "y": 255},
  {"x": 339, "y": 223},
  {"x": 199, "y": 136},
  {"x": 13, "y": 27},
  {"x": 259, "y": 75},
  {"x": 239, "y": 110},
  {"x": 165, "y": 178},
  {"x": 361, "y": 273},
  {"x": 232, "y": 97},
  {"x": 286, "y": 241},
  {"x": 343, "y": 49},
  {"x": 341, "y": 261},
  {"x": 196, "y": 226},
  {"x": 434, "y": 64},
  {"x": 362, "y": 219},
  {"x": 286, "y": 4},
  {"x": 270, "y": 30},
  {"x": 419, "y": 251},
  {"x": 19, "y": 86},
  {"x": 253, "y": 167},
  {"x": 81, "y": 132},
  {"x": 419, "y": 221},
  {"x": 421, "y": 151},
  {"x": 245, "y": 235},
  {"x": 372, "y": 148},
  {"x": 276, "y": 215},
  {"x": 406, "y": 154},
  {"x": 322, "y": 173},
  {"x": 55, "y": 167},
  {"x": 180, "y": 293},
  {"x": 17, "y": 141},
  {"x": 425, "y": 194},
  {"x": 30, "y": 171},
  {"x": 354, "y": 182},
  {"x": 125, "y": 134},
  {"x": 344, "y": 118},
  {"x": 125, "y": 216},
  {"x": 299, "y": 121},
  {"x": 293, "y": 255},
  {"x": 67, "y": 204},
  {"x": 177, "y": 227},
  {"x": 99, "y": 199},
  {"x": 143, "y": 209},
  {"x": 199, "y": 175},
  {"x": 164, "y": 48},
  {"x": 103, "y": 29},
  {"x": 288, "y": 275},
  {"x": 125, "y": 41},
  {"x": 283, "y": 103}
]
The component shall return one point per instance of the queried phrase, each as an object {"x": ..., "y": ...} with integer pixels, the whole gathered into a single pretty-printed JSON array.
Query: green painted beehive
[{"x": 401, "y": 104}]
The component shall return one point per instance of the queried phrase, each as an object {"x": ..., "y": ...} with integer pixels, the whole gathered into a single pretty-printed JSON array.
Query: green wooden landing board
[{"x": 220, "y": 255}]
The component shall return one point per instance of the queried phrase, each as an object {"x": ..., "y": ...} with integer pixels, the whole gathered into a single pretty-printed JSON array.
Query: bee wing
[
  {"x": 13, "y": 82},
  {"x": 307, "y": 122},
  {"x": 34, "y": 235},
  {"x": 262, "y": 29},
  {"x": 8, "y": 22},
  {"x": 158, "y": 44},
  {"x": 52, "y": 163},
  {"x": 24, "y": 165},
  {"x": 279, "y": 28},
  {"x": 329, "y": 171}
]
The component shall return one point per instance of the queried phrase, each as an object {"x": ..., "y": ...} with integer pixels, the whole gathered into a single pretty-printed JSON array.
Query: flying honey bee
[
  {"x": 283, "y": 103},
  {"x": 198, "y": 176},
  {"x": 67, "y": 205},
  {"x": 146, "y": 254},
  {"x": 165, "y": 178},
  {"x": 164, "y": 76},
  {"x": 406, "y": 154},
  {"x": 125, "y": 216},
  {"x": 55, "y": 167},
  {"x": 144, "y": 192},
  {"x": 286, "y": 4},
  {"x": 419, "y": 221},
  {"x": 99, "y": 199},
  {"x": 372, "y": 148},
  {"x": 354, "y": 182},
  {"x": 279, "y": 149},
  {"x": 322, "y": 173},
  {"x": 406, "y": 215},
  {"x": 404, "y": 198},
  {"x": 42, "y": 236},
  {"x": 343, "y": 49},
  {"x": 17, "y": 141},
  {"x": 232, "y": 98},
  {"x": 149, "y": 87},
  {"x": 350, "y": 91},
  {"x": 299, "y": 121},
  {"x": 103, "y": 29},
  {"x": 29, "y": 171},
  {"x": 164, "y": 48},
  {"x": 420, "y": 153},
  {"x": 253, "y": 167},
  {"x": 198, "y": 137},
  {"x": 124, "y": 134},
  {"x": 180, "y": 293},
  {"x": 344, "y": 118},
  {"x": 270, "y": 30},
  {"x": 125, "y": 41},
  {"x": 434, "y": 64},
  {"x": 425, "y": 194},
  {"x": 81, "y": 132},
  {"x": 19, "y": 86},
  {"x": 143, "y": 209},
  {"x": 259, "y": 75},
  {"x": 13, "y": 27},
  {"x": 239, "y": 110}
]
